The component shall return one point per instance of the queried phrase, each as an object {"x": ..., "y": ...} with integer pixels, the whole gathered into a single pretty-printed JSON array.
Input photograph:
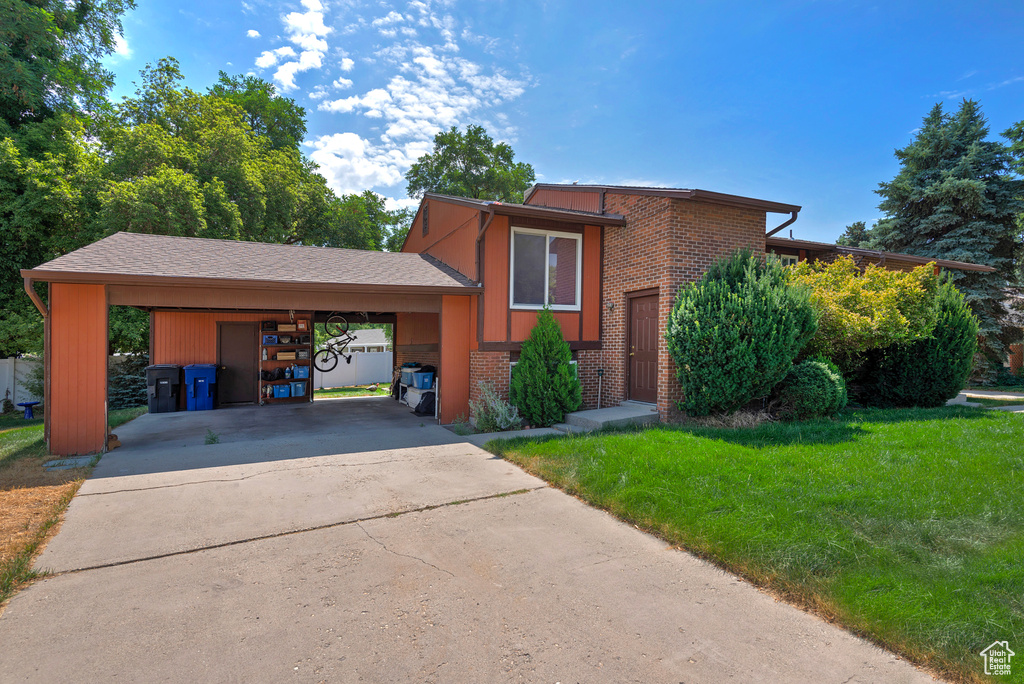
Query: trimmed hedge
[
  {"x": 926, "y": 372},
  {"x": 735, "y": 333},
  {"x": 812, "y": 389}
]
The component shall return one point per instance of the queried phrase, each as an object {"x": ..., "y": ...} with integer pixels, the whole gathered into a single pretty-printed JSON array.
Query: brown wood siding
[
  {"x": 453, "y": 387},
  {"x": 76, "y": 406},
  {"x": 591, "y": 287},
  {"x": 576, "y": 200},
  {"x": 268, "y": 299},
  {"x": 417, "y": 328},
  {"x": 523, "y": 322},
  {"x": 496, "y": 263},
  {"x": 451, "y": 237},
  {"x": 184, "y": 337}
]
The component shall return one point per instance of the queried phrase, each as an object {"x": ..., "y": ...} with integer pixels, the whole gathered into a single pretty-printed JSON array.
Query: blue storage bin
[
  {"x": 200, "y": 382},
  {"x": 270, "y": 339},
  {"x": 282, "y": 391},
  {"x": 421, "y": 380},
  {"x": 300, "y": 372},
  {"x": 298, "y": 388},
  {"x": 407, "y": 375}
]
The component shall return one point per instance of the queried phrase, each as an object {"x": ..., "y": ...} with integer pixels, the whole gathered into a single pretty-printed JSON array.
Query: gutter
[
  {"x": 788, "y": 222},
  {"x": 36, "y": 299}
]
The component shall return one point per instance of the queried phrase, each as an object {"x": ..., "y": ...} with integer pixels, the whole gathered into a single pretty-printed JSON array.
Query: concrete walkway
[{"x": 349, "y": 555}]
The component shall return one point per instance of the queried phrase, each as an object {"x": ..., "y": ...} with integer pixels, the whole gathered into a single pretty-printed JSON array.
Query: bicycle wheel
[
  {"x": 325, "y": 360},
  {"x": 336, "y": 325}
]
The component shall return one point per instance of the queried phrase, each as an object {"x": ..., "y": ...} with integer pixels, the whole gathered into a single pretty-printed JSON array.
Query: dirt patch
[{"x": 29, "y": 495}]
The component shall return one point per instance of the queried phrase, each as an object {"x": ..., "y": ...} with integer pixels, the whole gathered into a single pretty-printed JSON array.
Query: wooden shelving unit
[{"x": 269, "y": 360}]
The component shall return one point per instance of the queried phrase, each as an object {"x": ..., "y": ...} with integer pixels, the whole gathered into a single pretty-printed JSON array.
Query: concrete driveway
[{"x": 371, "y": 546}]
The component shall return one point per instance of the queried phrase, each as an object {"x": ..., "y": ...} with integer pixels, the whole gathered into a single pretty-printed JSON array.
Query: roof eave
[
  {"x": 913, "y": 258},
  {"x": 502, "y": 209},
  {"x": 680, "y": 193},
  {"x": 247, "y": 284}
]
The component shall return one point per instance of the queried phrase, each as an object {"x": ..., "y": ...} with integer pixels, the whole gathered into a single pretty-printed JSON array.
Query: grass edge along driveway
[
  {"x": 904, "y": 526},
  {"x": 35, "y": 498}
]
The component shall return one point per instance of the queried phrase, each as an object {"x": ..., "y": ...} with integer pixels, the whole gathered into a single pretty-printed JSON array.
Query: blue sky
[{"x": 797, "y": 102}]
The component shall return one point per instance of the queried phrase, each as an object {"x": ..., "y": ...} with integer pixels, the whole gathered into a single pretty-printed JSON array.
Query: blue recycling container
[{"x": 200, "y": 384}]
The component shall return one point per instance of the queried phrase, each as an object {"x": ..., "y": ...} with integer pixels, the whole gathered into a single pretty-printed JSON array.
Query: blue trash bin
[{"x": 200, "y": 385}]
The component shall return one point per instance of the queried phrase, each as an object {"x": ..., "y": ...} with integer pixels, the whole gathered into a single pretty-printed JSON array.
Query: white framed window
[
  {"x": 545, "y": 269},
  {"x": 787, "y": 259}
]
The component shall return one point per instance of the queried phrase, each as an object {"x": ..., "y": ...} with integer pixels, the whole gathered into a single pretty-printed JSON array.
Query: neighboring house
[{"x": 462, "y": 294}]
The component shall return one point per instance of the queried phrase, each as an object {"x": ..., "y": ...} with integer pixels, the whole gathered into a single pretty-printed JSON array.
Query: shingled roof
[{"x": 129, "y": 258}]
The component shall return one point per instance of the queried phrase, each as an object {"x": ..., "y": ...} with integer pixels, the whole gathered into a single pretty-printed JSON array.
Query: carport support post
[
  {"x": 453, "y": 388},
  {"x": 76, "y": 406}
]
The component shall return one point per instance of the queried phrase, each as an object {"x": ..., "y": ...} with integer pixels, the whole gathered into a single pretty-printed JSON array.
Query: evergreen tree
[
  {"x": 544, "y": 385},
  {"x": 857, "y": 234},
  {"x": 956, "y": 198}
]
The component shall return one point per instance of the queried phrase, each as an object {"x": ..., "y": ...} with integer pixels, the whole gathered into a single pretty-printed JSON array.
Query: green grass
[
  {"x": 904, "y": 526},
  {"x": 360, "y": 391},
  {"x": 997, "y": 388},
  {"x": 22, "y": 442},
  {"x": 9, "y": 421},
  {"x": 989, "y": 402}
]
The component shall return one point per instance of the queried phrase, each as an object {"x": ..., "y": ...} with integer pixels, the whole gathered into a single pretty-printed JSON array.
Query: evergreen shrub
[
  {"x": 544, "y": 385},
  {"x": 931, "y": 371},
  {"x": 126, "y": 382},
  {"x": 735, "y": 333},
  {"x": 812, "y": 389}
]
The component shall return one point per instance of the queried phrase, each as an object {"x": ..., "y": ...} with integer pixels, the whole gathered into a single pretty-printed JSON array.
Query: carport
[{"x": 192, "y": 287}]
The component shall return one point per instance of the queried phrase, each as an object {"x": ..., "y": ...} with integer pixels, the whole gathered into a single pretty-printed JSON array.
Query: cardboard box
[
  {"x": 285, "y": 356},
  {"x": 286, "y": 327}
]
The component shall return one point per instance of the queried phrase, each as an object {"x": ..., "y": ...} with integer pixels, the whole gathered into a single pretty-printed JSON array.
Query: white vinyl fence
[
  {"x": 13, "y": 374},
  {"x": 366, "y": 368}
]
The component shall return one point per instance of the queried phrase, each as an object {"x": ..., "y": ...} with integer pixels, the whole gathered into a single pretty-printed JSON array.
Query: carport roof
[{"x": 138, "y": 258}]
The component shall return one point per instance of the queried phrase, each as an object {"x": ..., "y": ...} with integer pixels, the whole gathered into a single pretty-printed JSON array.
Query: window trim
[
  {"x": 578, "y": 237},
  {"x": 783, "y": 258}
]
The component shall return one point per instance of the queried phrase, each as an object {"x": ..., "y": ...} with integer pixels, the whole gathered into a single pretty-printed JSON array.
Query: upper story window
[{"x": 545, "y": 269}]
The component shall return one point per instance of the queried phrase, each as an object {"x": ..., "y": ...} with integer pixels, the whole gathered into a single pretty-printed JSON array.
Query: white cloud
[
  {"x": 306, "y": 31},
  {"x": 121, "y": 47},
  {"x": 347, "y": 64},
  {"x": 352, "y": 164},
  {"x": 342, "y": 83},
  {"x": 252, "y": 33},
  {"x": 271, "y": 57}
]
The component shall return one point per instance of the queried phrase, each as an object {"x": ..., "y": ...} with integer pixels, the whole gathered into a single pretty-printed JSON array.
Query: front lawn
[
  {"x": 382, "y": 390},
  {"x": 906, "y": 526}
]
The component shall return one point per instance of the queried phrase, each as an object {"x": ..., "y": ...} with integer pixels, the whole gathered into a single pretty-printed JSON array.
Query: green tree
[
  {"x": 956, "y": 198},
  {"x": 470, "y": 165},
  {"x": 50, "y": 57},
  {"x": 735, "y": 333},
  {"x": 544, "y": 386},
  {"x": 857, "y": 234},
  {"x": 276, "y": 118}
]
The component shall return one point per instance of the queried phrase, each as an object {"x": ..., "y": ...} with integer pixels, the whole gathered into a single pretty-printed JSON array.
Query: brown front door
[
  {"x": 643, "y": 348},
  {"x": 237, "y": 351}
]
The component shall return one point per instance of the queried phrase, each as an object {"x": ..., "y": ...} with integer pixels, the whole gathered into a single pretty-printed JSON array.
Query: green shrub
[
  {"x": 926, "y": 372},
  {"x": 544, "y": 385},
  {"x": 812, "y": 389},
  {"x": 126, "y": 382},
  {"x": 734, "y": 334},
  {"x": 491, "y": 413}
]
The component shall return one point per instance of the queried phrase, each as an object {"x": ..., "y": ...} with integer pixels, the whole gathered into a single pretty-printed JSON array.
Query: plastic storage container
[
  {"x": 162, "y": 383},
  {"x": 421, "y": 380},
  {"x": 200, "y": 386},
  {"x": 270, "y": 339},
  {"x": 407, "y": 374},
  {"x": 300, "y": 372},
  {"x": 298, "y": 388},
  {"x": 282, "y": 391}
]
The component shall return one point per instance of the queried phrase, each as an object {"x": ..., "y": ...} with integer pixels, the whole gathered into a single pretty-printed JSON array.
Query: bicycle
[{"x": 326, "y": 359}]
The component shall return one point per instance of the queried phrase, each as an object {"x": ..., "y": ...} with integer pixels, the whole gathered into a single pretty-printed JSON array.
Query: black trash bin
[{"x": 163, "y": 381}]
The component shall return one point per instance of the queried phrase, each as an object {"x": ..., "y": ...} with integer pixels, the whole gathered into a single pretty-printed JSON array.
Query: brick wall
[
  {"x": 490, "y": 367},
  {"x": 665, "y": 243}
]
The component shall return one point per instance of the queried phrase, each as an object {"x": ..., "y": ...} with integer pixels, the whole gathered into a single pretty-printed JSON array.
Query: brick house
[
  {"x": 627, "y": 250},
  {"x": 463, "y": 294}
]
